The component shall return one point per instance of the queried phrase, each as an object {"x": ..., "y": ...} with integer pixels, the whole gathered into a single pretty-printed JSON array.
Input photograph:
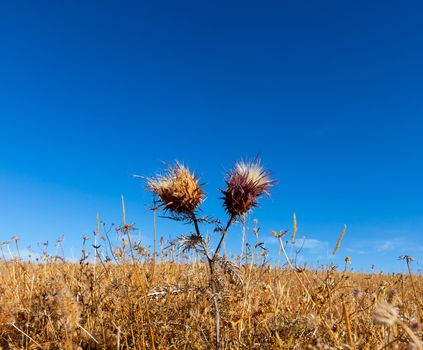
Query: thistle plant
[
  {"x": 178, "y": 189},
  {"x": 180, "y": 194},
  {"x": 245, "y": 183}
]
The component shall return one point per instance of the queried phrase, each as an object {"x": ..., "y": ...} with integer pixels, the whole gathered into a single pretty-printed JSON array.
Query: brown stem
[
  {"x": 203, "y": 243},
  {"x": 215, "y": 298},
  {"x": 223, "y": 237},
  {"x": 195, "y": 220},
  {"x": 213, "y": 282},
  {"x": 348, "y": 326},
  {"x": 411, "y": 334},
  {"x": 412, "y": 281}
]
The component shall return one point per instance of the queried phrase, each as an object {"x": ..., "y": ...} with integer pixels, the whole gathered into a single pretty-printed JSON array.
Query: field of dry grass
[
  {"x": 130, "y": 303},
  {"x": 189, "y": 295}
]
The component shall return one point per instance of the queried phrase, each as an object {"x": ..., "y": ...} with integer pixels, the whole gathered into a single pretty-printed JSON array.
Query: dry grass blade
[
  {"x": 341, "y": 237},
  {"x": 26, "y": 335},
  {"x": 294, "y": 231},
  {"x": 348, "y": 326}
]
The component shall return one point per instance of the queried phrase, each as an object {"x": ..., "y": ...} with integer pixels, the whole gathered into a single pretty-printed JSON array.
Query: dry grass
[
  {"x": 55, "y": 305},
  {"x": 190, "y": 297}
]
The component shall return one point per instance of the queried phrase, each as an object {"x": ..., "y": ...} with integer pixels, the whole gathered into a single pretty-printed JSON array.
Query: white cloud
[
  {"x": 314, "y": 245},
  {"x": 356, "y": 251},
  {"x": 388, "y": 244}
]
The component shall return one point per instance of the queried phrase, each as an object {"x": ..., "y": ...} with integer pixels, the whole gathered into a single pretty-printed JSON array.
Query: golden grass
[
  {"x": 59, "y": 305},
  {"x": 191, "y": 297}
]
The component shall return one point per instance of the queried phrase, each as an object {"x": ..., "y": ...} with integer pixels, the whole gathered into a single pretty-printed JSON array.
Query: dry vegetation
[
  {"x": 188, "y": 296},
  {"x": 111, "y": 305}
]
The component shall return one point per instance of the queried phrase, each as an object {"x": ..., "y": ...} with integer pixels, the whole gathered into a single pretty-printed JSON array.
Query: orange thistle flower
[
  {"x": 245, "y": 183},
  {"x": 178, "y": 189}
]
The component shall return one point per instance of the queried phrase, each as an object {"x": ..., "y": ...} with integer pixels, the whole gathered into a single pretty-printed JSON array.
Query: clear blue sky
[{"x": 329, "y": 93}]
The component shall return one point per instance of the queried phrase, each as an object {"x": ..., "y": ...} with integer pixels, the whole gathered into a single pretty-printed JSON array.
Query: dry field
[
  {"x": 191, "y": 296},
  {"x": 131, "y": 304}
]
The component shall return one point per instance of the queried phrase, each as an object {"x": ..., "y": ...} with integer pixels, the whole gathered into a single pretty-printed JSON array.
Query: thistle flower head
[
  {"x": 245, "y": 183},
  {"x": 178, "y": 189}
]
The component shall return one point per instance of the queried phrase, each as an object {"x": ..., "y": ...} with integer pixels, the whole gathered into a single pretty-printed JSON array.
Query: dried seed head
[
  {"x": 390, "y": 295},
  {"x": 407, "y": 258},
  {"x": 69, "y": 309},
  {"x": 245, "y": 183},
  {"x": 313, "y": 321},
  {"x": 416, "y": 326},
  {"x": 385, "y": 314},
  {"x": 178, "y": 189},
  {"x": 411, "y": 346}
]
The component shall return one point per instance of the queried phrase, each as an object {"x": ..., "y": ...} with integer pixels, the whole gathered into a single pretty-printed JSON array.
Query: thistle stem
[
  {"x": 213, "y": 281},
  {"x": 203, "y": 243},
  {"x": 195, "y": 220},
  {"x": 223, "y": 237}
]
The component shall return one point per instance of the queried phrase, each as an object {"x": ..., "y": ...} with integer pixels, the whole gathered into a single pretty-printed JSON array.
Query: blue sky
[{"x": 328, "y": 93}]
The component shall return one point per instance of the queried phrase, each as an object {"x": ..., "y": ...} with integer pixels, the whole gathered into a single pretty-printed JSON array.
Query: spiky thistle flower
[
  {"x": 178, "y": 189},
  {"x": 245, "y": 183}
]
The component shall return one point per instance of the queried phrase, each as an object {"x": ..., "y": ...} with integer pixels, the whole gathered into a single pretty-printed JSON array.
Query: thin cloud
[
  {"x": 356, "y": 251},
  {"x": 314, "y": 245},
  {"x": 389, "y": 245},
  {"x": 394, "y": 244}
]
